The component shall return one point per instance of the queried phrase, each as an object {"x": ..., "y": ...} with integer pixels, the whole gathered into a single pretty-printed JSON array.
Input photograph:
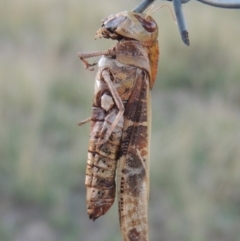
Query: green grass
[{"x": 45, "y": 92}]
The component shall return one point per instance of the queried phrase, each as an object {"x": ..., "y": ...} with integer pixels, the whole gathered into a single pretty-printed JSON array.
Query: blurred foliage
[{"x": 45, "y": 92}]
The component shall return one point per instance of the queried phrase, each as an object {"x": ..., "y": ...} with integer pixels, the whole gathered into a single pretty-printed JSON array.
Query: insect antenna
[
  {"x": 149, "y": 9},
  {"x": 159, "y": 7}
]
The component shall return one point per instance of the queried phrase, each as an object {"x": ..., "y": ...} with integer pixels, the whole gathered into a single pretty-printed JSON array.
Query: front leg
[{"x": 84, "y": 56}]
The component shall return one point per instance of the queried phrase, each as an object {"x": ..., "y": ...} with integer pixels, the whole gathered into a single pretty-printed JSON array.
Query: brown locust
[{"x": 121, "y": 120}]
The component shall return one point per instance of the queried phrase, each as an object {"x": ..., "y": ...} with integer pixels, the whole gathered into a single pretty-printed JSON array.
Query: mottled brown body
[
  {"x": 103, "y": 152},
  {"x": 120, "y": 133},
  {"x": 101, "y": 163}
]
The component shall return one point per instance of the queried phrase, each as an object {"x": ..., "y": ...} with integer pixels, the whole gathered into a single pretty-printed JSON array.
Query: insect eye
[
  {"x": 113, "y": 24},
  {"x": 150, "y": 26}
]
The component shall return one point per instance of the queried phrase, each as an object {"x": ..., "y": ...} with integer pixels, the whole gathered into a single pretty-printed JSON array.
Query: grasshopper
[{"x": 121, "y": 121}]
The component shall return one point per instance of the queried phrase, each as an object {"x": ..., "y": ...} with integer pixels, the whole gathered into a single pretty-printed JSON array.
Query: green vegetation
[{"x": 45, "y": 92}]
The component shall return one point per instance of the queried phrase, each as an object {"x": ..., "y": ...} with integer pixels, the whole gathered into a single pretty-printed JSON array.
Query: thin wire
[
  {"x": 234, "y": 4},
  {"x": 230, "y": 4}
]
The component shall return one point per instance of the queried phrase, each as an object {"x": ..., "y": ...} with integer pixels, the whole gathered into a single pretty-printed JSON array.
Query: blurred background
[{"x": 45, "y": 91}]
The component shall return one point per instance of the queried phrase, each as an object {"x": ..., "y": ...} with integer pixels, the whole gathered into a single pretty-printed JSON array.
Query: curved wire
[
  {"x": 222, "y": 3},
  {"x": 181, "y": 21},
  {"x": 215, "y": 3},
  {"x": 178, "y": 12},
  {"x": 233, "y": 4},
  {"x": 142, "y": 6}
]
